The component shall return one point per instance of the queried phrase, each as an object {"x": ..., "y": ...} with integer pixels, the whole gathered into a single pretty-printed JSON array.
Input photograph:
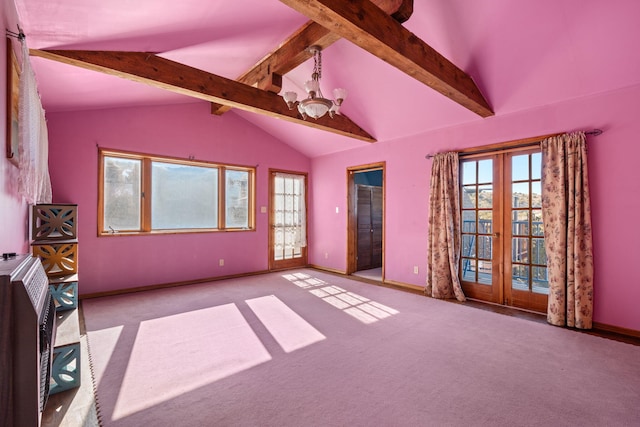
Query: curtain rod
[{"x": 594, "y": 132}]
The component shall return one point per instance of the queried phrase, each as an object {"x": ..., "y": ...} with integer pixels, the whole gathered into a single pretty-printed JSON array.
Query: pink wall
[
  {"x": 112, "y": 263},
  {"x": 615, "y": 186},
  {"x": 13, "y": 210}
]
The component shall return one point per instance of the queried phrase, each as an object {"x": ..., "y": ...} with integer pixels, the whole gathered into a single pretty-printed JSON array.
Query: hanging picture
[{"x": 13, "y": 80}]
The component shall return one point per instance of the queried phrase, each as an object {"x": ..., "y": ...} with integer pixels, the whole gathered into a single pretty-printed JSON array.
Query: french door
[
  {"x": 503, "y": 258},
  {"x": 287, "y": 220}
]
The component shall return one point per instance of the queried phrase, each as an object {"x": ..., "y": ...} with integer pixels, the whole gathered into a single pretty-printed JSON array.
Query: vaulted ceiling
[{"x": 443, "y": 63}]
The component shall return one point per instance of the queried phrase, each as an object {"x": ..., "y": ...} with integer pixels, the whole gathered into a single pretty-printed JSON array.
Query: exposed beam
[
  {"x": 365, "y": 25},
  {"x": 294, "y": 50},
  {"x": 291, "y": 53},
  {"x": 163, "y": 73}
]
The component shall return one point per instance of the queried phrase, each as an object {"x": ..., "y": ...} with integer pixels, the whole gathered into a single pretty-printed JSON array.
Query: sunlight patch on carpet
[
  {"x": 304, "y": 280},
  {"x": 177, "y": 354},
  {"x": 286, "y": 326},
  {"x": 355, "y": 305}
]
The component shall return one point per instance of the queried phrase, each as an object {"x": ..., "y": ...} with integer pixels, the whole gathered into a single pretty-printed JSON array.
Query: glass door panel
[
  {"x": 528, "y": 279},
  {"x": 478, "y": 262},
  {"x": 288, "y": 221}
]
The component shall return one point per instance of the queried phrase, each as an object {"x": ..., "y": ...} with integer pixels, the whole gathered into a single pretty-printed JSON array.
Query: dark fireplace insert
[{"x": 27, "y": 331}]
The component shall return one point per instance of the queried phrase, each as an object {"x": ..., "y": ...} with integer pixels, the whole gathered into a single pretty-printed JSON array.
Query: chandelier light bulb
[
  {"x": 290, "y": 99},
  {"x": 339, "y": 95}
]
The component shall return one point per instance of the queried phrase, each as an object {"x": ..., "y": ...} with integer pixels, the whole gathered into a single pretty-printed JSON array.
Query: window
[{"x": 150, "y": 194}]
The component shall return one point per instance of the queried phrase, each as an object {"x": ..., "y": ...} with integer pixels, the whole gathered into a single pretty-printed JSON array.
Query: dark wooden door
[{"x": 369, "y": 227}]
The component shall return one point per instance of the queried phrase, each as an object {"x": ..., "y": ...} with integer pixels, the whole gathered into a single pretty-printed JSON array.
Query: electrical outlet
[
  {"x": 326, "y": 255},
  {"x": 415, "y": 269},
  {"x": 221, "y": 262}
]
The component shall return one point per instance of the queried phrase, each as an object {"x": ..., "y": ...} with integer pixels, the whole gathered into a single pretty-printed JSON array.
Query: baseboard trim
[
  {"x": 616, "y": 329},
  {"x": 329, "y": 270},
  {"x": 409, "y": 286},
  {"x": 388, "y": 283},
  {"x": 170, "y": 285}
]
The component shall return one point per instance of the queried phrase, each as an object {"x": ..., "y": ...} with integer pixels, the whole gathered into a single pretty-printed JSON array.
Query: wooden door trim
[
  {"x": 295, "y": 263},
  {"x": 352, "y": 219}
]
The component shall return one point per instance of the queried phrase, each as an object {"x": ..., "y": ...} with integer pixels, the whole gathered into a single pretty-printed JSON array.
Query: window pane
[
  {"x": 485, "y": 196},
  {"x": 278, "y": 248},
  {"x": 520, "y": 277},
  {"x": 468, "y": 173},
  {"x": 538, "y": 253},
  {"x": 469, "y": 269},
  {"x": 536, "y": 194},
  {"x": 484, "y": 273},
  {"x": 520, "y": 168},
  {"x": 485, "y": 222},
  {"x": 520, "y": 249},
  {"x": 469, "y": 197},
  {"x": 540, "y": 280},
  {"x": 537, "y": 228},
  {"x": 485, "y": 171},
  {"x": 121, "y": 194},
  {"x": 536, "y": 165},
  {"x": 183, "y": 196},
  {"x": 468, "y": 245},
  {"x": 236, "y": 199},
  {"x": 520, "y": 195},
  {"x": 484, "y": 247},
  {"x": 468, "y": 221},
  {"x": 520, "y": 222}
]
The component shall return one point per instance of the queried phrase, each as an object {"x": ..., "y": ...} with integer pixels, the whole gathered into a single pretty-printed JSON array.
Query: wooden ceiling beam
[
  {"x": 365, "y": 25},
  {"x": 295, "y": 49},
  {"x": 163, "y": 73}
]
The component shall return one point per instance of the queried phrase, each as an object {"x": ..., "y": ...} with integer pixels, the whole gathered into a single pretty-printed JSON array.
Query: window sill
[{"x": 164, "y": 232}]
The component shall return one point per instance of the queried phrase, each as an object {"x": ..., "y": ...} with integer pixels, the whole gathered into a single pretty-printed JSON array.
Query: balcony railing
[{"x": 522, "y": 252}]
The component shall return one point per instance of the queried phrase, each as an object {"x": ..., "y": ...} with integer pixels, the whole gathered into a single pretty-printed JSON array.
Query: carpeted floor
[{"x": 310, "y": 348}]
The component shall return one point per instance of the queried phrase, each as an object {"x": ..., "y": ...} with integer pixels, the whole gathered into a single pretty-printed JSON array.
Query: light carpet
[{"x": 306, "y": 348}]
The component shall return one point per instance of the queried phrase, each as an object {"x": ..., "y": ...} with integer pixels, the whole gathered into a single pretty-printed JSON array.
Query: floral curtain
[
  {"x": 33, "y": 148},
  {"x": 566, "y": 215},
  {"x": 444, "y": 229}
]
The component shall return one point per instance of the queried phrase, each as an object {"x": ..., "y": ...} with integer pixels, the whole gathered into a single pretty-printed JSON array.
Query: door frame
[
  {"x": 294, "y": 262},
  {"x": 352, "y": 217}
]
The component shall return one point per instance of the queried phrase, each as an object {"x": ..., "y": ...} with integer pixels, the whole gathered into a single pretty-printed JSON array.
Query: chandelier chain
[{"x": 317, "y": 61}]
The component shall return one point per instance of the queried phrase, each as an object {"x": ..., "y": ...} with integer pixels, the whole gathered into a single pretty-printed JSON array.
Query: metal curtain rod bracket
[
  {"x": 19, "y": 35},
  {"x": 594, "y": 132}
]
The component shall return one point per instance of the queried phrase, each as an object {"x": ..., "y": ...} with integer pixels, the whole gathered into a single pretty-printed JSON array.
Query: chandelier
[{"x": 316, "y": 105}]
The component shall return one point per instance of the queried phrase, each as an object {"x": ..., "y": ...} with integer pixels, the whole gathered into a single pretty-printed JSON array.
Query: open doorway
[{"x": 366, "y": 221}]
